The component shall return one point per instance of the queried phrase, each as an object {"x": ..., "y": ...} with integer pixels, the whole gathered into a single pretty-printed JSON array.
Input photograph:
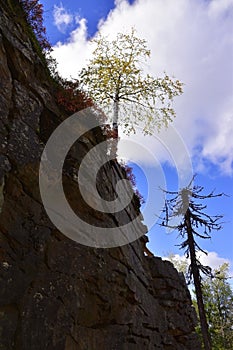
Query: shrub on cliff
[
  {"x": 34, "y": 16},
  {"x": 70, "y": 97}
]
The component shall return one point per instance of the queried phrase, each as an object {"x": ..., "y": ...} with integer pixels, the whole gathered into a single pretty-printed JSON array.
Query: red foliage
[
  {"x": 70, "y": 97},
  {"x": 109, "y": 132},
  {"x": 34, "y": 15},
  {"x": 131, "y": 177}
]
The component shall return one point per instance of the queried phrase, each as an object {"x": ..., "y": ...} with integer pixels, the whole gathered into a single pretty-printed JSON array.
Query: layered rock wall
[{"x": 55, "y": 293}]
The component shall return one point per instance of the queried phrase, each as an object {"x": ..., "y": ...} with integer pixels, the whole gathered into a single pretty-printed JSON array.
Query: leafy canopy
[{"x": 115, "y": 75}]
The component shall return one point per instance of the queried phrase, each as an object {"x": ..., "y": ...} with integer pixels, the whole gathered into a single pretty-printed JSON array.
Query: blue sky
[
  {"x": 82, "y": 9},
  {"x": 192, "y": 41}
]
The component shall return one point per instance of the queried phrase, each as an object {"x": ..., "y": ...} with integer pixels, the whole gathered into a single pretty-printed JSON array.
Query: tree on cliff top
[
  {"x": 114, "y": 79},
  {"x": 194, "y": 223}
]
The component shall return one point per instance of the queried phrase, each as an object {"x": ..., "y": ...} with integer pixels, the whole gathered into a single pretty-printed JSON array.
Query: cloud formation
[
  {"x": 212, "y": 259},
  {"x": 191, "y": 40},
  {"x": 62, "y": 18}
]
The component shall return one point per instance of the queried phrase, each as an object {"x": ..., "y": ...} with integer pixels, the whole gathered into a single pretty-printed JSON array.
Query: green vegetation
[{"x": 218, "y": 300}]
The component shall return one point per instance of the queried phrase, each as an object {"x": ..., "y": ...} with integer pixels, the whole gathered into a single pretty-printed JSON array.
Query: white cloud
[
  {"x": 62, "y": 18},
  {"x": 218, "y": 7},
  {"x": 166, "y": 146},
  {"x": 212, "y": 259},
  {"x": 191, "y": 40},
  {"x": 73, "y": 55},
  {"x": 218, "y": 148}
]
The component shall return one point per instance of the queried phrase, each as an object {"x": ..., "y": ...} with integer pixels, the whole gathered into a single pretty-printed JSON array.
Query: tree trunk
[
  {"x": 113, "y": 152},
  {"x": 115, "y": 115},
  {"x": 197, "y": 284}
]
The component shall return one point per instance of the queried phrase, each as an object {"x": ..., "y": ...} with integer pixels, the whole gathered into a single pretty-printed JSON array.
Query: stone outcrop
[{"x": 55, "y": 293}]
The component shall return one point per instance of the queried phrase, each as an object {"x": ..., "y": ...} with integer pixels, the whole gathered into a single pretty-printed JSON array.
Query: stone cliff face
[{"x": 55, "y": 293}]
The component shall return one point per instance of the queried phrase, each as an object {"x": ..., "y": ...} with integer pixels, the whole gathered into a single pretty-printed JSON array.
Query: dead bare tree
[{"x": 193, "y": 223}]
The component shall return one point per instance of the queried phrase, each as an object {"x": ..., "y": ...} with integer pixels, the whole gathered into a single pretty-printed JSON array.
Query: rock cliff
[{"x": 55, "y": 293}]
